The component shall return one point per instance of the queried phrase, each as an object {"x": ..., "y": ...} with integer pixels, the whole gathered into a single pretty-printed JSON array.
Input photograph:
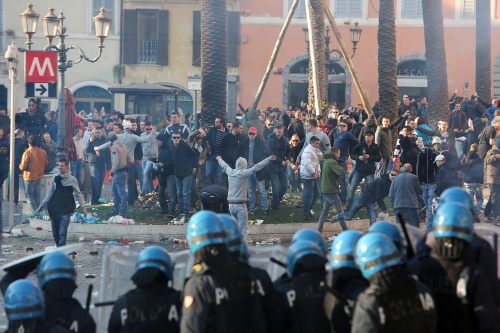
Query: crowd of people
[{"x": 366, "y": 283}]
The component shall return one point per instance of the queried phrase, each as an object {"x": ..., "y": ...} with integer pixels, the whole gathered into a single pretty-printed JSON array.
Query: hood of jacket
[
  {"x": 241, "y": 163},
  {"x": 252, "y": 115},
  {"x": 328, "y": 155}
]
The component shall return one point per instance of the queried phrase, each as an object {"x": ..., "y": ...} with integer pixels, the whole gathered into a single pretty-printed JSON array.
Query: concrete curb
[{"x": 155, "y": 233}]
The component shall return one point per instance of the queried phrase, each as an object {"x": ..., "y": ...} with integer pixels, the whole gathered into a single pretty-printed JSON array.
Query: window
[
  {"x": 468, "y": 9},
  {"x": 110, "y": 11},
  {"x": 300, "y": 11},
  {"x": 412, "y": 9},
  {"x": 233, "y": 39},
  {"x": 348, "y": 8},
  {"x": 145, "y": 37}
]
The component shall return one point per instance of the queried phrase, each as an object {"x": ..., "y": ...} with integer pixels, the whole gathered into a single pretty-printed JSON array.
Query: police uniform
[
  {"x": 221, "y": 300},
  {"x": 152, "y": 309},
  {"x": 214, "y": 198},
  {"x": 264, "y": 288},
  {"x": 343, "y": 286},
  {"x": 68, "y": 313}
]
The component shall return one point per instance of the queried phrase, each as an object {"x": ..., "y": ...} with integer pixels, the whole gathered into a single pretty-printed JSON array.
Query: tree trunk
[
  {"x": 387, "y": 63},
  {"x": 213, "y": 61},
  {"x": 436, "y": 61},
  {"x": 483, "y": 50}
]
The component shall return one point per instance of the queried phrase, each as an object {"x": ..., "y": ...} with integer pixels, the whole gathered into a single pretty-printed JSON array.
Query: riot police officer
[
  {"x": 25, "y": 309},
  {"x": 464, "y": 300},
  {"x": 153, "y": 306},
  {"x": 390, "y": 230},
  {"x": 57, "y": 279},
  {"x": 219, "y": 296},
  {"x": 301, "y": 300},
  {"x": 311, "y": 235},
  {"x": 262, "y": 281},
  {"x": 394, "y": 301},
  {"x": 344, "y": 282}
]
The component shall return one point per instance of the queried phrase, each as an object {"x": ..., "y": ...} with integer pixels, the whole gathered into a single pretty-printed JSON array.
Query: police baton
[
  {"x": 277, "y": 262},
  {"x": 89, "y": 297},
  {"x": 409, "y": 247},
  {"x": 106, "y": 303}
]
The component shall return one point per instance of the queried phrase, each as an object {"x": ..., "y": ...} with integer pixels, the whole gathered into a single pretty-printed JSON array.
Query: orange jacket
[{"x": 33, "y": 163}]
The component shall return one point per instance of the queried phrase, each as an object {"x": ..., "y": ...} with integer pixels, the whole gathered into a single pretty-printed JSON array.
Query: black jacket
[
  {"x": 21, "y": 146},
  {"x": 281, "y": 149},
  {"x": 377, "y": 190},
  {"x": 32, "y": 124},
  {"x": 211, "y": 134},
  {"x": 473, "y": 168},
  {"x": 447, "y": 176},
  {"x": 227, "y": 148},
  {"x": 426, "y": 167},
  {"x": 356, "y": 129},
  {"x": 296, "y": 127},
  {"x": 259, "y": 154},
  {"x": 185, "y": 160},
  {"x": 104, "y": 155},
  {"x": 472, "y": 109},
  {"x": 166, "y": 156},
  {"x": 366, "y": 167}
]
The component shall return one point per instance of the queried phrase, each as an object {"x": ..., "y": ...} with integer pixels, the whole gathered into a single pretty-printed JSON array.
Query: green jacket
[{"x": 332, "y": 174}]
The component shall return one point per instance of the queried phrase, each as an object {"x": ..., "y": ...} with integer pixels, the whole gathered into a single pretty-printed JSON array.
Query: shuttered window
[
  {"x": 300, "y": 11},
  {"x": 145, "y": 37},
  {"x": 412, "y": 9},
  {"x": 233, "y": 39},
  {"x": 468, "y": 9},
  {"x": 348, "y": 9}
]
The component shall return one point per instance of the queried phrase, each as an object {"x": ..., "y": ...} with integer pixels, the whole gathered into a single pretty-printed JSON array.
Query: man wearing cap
[
  {"x": 253, "y": 149},
  {"x": 131, "y": 140},
  {"x": 277, "y": 145},
  {"x": 119, "y": 165},
  {"x": 427, "y": 173},
  {"x": 447, "y": 175}
]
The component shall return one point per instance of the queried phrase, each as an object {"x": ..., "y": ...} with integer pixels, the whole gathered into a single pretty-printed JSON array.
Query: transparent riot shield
[
  {"x": 118, "y": 265},
  {"x": 413, "y": 232},
  {"x": 183, "y": 265},
  {"x": 260, "y": 256},
  {"x": 490, "y": 233}
]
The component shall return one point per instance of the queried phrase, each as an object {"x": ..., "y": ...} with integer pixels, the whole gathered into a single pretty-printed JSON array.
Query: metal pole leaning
[
  {"x": 347, "y": 59},
  {"x": 276, "y": 49},
  {"x": 313, "y": 57}
]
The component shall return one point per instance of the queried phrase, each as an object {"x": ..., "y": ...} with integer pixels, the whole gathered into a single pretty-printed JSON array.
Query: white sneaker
[{"x": 383, "y": 215}]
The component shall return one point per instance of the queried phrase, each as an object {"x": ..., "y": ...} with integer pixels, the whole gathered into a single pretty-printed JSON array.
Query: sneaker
[
  {"x": 383, "y": 215},
  {"x": 102, "y": 201},
  {"x": 266, "y": 211},
  {"x": 251, "y": 212},
  {"x": 307, "y": 218},
  {"x": 334, "y": 218},
  {"x": 192, "y": 211}
]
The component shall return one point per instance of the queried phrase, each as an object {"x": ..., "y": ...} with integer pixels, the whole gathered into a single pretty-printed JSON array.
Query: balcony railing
[{"x": 148, "y": 50}]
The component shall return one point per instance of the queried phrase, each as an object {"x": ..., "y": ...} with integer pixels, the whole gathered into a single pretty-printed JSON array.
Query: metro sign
[{"x": 41, "y": 74}]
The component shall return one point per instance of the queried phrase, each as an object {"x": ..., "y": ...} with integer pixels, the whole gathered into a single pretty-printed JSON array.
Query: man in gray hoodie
[{"x": 238, "y": 187}]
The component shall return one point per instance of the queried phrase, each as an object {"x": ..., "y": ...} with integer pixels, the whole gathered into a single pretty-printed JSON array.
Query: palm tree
[
  {"x": 483, "y": 50},
  {"x": 387, "y": 63},
  {"x": 436, "y": 61},
  {"x": 213, "y": 61}
]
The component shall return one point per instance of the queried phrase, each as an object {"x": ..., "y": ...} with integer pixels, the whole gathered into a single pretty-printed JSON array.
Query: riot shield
[
  {"x": 183, "y": 262},
  {"x": 260, "y": 256},
  {"x": 414, "y": 233},
  {"x": 490, "y": 233}
]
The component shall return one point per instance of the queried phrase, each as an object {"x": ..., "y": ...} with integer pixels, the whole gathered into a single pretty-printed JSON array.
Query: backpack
[{"x": 327, "y": 128}]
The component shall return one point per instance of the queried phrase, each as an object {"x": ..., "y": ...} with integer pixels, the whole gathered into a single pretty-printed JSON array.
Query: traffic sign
[
  {"x": 41, "y": 66},
  {"x": 41, "y": 90},
  {"x": 194, "y": 85}
]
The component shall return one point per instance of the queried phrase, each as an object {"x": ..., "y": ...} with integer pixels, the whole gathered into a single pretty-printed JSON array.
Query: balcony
[{"x": 148, "y": 50}]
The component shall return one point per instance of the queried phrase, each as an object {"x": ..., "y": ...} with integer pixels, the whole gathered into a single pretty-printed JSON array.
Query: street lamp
[
  {"x": 29, "y": 20},
  {"x": 54, "y": 27},
  {"x": 355, "y": 37}
]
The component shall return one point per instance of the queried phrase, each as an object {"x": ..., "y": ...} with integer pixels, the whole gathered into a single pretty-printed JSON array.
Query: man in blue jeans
[
  {"x": 310, "y": 172},
  {"x": 119, "y": 165},
  {"x": 214, "y": 138},
  {"x": 278, "y": 146},
  {"x": 60, "y": 202},
  {"x": 186, "y": 164},
  {"x": 97, "y": 161}
]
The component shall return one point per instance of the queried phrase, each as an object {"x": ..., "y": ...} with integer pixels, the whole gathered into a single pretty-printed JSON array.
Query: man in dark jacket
[
  {"x": 447, "y": 175},
  {"x": 366, "y": 154},
  {"x": 4, "y": 120},
  {"x": 383, "y": 138},
  {"x": 472, "y": 108},
  {"x": 214, "y": 137},
  {"x": 186, "y": 163},
  {"x": 427, "y": 173},
  {"x": 403, "y": 194},
  {"x": 487, "y": 137},
  {"x": 32, "y": 120},
  {"x": 371, "y": 194},
  {"x": 166, "y": 175},
  {"x": 97, "y": 164},
  {"x": 473, "y": 175},
  {"x": 277, "y": 145},
  {"x": 20, "y": 145},
  {"x": 230, "y": 142},
  {"x": 253, "y": 149}
]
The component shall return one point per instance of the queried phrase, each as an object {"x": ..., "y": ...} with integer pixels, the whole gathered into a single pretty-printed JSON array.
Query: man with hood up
[
  {"x": 447, "y": 175},
  {"x": 252, "y": 120},
  {"x": 238, "y": 187}
]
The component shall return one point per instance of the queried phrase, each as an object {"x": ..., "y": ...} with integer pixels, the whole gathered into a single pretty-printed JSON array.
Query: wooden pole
[
  {"x": 276, "y": 49},
  {"x": 347, "y": 59},
  {"x": 312, "y": 55}
]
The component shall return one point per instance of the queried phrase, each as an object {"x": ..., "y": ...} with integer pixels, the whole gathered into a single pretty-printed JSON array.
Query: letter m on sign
[{"x": 41, "y": 66}]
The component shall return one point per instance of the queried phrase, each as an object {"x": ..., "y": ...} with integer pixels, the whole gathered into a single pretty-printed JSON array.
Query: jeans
[
  {"x": 147, "y": 176},
  {"x": 60, "y": 229},
  {"x": 357, "y": 205},
  {"x": 134, "y": 170},
  {"x": 240, "y": 212},
  {"x": 329, "y": 200},
  {"x": 495, "y": 200},
  {"x": 184, "y": 193},
  {"x": 119, "y": 194},
  {"x": 429, "y": 193},
  {"x": 310, "y": 194},
  {"x": 172, "y": 192},
  {"x": 76, "y": 168},
  {"x": 343, "y": 183},
  {"x": 460, "y": 145},
  {"x": 194, "y": 189},
  {"x": 213, "y": 172},
  {"x": 475, "y": 190},
  {"x": 383, "y": 166},
  {"x": 410, "y": 215},
  {"x": 97, "y": 175},
  {"x": 253, "y": 183},
  {"x": 165, "y": 183},
  {"x": 293, "y": 178},
  {"x": 356, "y": 178},
  {"x": 33, "y": 188},
  {"x": 279, "y": 185}
]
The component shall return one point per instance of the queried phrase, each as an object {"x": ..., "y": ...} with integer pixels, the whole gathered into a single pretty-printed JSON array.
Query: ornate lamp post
[{"x": 53, "y": 26}]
